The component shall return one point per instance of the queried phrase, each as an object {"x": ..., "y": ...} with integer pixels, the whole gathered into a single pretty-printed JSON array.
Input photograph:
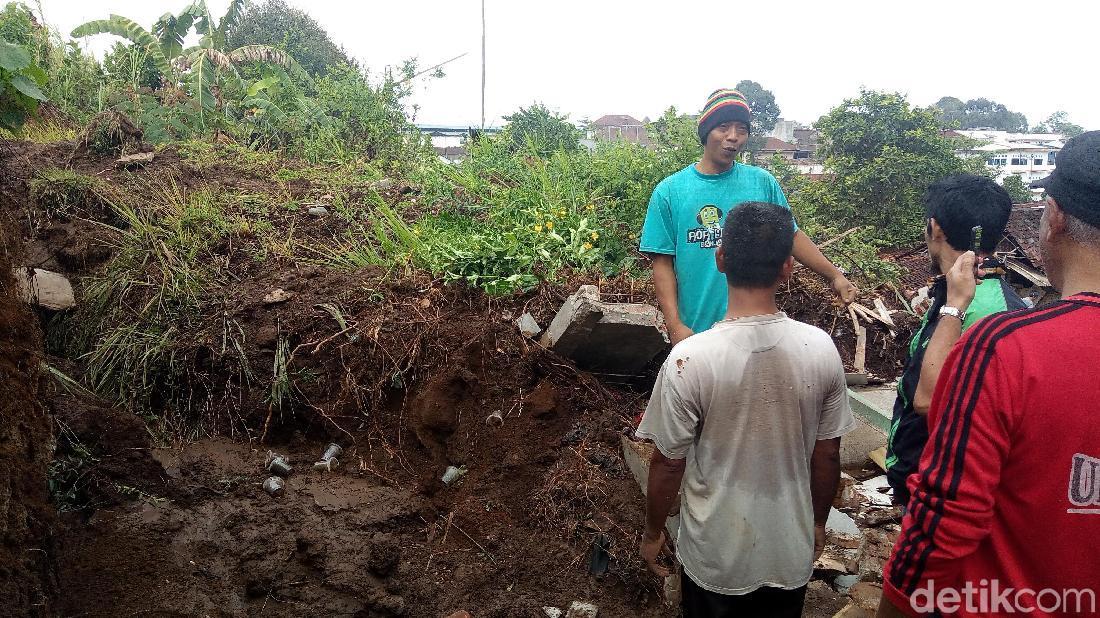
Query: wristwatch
[{"x": 953, "y": 312}]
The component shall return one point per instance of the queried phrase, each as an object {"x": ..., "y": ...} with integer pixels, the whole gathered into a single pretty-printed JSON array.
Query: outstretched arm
[{"x": 807, "y": 254}]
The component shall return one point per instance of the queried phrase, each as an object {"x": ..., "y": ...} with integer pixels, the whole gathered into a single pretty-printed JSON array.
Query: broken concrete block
[
  {"x": 582, "y": 610},
  {"x": 841, "y": 524},
  {"x": 45, "y": 289},
  {"x": 136, "y": 159},
  {"x": 846, "y": 495},
  {"x": 528, "y": 326},
  {"x": 613, "y": 338},
  {"x": 876, "y": 491},
  {"x": 278, "y": 295}
]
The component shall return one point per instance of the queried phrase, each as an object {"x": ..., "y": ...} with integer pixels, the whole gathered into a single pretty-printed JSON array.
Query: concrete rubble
[
  {"x": 582, "y": 610},
  {"x": 527, "y": 325},
  {"x": 620, "y": 339},
  {"x": 45, "y": 289},
  {"x": 136, "y": 160}
]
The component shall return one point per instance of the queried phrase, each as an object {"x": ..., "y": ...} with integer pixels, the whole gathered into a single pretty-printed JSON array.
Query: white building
[{"x": 1031, "y": 156}]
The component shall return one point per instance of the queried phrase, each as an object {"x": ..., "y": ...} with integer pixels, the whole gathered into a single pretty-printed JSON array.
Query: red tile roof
[{"x": 615, "y": 120}]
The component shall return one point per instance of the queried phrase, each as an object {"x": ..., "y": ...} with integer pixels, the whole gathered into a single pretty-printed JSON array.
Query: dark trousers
[{"x": 764, "y": 602}]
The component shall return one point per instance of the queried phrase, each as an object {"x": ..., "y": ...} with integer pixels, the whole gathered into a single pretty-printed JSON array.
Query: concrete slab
[
  {"x": 864, "y": 439},
  {"x": 45, "y": 289},
  {"x": 613, "y": 338},
  {"x": 637, "y": 455}
]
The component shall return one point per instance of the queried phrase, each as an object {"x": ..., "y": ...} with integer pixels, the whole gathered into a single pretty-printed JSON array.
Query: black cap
[{"x": 1075, "y": 181}]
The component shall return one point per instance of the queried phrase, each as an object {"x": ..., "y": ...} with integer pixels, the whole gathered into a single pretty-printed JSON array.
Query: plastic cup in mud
[
  {"x": 278, "y": 464},
  {"x": 332, "y": 452},
  {"x": 453, "y": 474},
  {"x": 274, "y": 486},
  {"x": 495, "y": 419},
  {"x": 327, "y": 465}
]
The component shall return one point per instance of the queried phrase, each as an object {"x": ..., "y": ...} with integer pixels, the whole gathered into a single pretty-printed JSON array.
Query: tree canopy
[
  {"x": 275, "y": 23},
  {"x": 882, "y": 154},
  {"x": 1058, "y": 122},
  {"x": 542, "y": 129},
  {"x": 979, "y": 114}
]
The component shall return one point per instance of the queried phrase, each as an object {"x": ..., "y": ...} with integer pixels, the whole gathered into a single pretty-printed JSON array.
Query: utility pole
[{"x": 482, "y": 65}]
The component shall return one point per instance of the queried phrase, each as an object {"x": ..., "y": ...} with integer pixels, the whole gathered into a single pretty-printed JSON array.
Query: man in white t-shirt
[{"x": 748, "y": 415}]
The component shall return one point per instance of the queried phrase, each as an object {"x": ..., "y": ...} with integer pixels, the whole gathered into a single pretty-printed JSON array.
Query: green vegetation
[
  {"x": 1017, "y": 189},
  {"x": 20, "y": 86},
  {"x": 269, "y": 118}
]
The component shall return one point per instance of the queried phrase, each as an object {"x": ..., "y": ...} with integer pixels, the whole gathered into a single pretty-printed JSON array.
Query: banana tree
[{"x": 201, "y": 68}]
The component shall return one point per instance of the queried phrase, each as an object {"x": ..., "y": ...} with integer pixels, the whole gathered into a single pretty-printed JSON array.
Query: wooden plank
[
  {"x": 879, "y": 457},
  {"x": 884, "y": 313},
  {"x": 860, "y": 362},
  {"x": 1034, "y": 276}
]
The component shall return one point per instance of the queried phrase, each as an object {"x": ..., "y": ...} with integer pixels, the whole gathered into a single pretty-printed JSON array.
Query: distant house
[
  {"x": 787, "y": 150},
  {"x": 1031, "y": 156},
  {"x": 617, "y": 127}
]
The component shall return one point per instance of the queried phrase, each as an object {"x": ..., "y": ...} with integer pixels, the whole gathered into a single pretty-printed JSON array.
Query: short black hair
[
  {"x": 960, "y": 202},
  {"x": 757, "y": 239}
]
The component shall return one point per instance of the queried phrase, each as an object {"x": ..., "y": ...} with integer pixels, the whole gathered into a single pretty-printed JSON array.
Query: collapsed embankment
[{"x": 204, "y": 305}]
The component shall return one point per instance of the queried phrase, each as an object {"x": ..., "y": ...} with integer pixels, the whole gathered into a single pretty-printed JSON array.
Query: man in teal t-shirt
[{"x": 683, "y": 225}]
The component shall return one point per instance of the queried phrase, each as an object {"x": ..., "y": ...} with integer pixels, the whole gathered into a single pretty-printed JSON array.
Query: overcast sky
[{"x": 600, "y": 57}]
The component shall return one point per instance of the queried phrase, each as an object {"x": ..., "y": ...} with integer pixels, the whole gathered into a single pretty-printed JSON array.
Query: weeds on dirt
[{"x": 61, "y": 192}]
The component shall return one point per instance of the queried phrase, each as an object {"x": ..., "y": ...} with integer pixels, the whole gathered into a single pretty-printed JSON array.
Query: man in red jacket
[{"x": 1004, "y": 517}]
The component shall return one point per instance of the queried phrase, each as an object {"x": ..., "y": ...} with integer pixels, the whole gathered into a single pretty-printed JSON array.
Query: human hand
[
  {"x": 845, "y": 290},
  {"x": 678, "y": 332},
  {"x": 962, "y": 281},
  {"x": 819, "y": 540},
  {"x": 651, "y": 549}
]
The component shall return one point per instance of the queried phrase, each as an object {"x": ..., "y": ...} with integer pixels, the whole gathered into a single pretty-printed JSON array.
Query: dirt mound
[
  {"x": 27, "y": 579},
  {"x": 400, "y": 370},
  {"x": 111, "y": 133}
]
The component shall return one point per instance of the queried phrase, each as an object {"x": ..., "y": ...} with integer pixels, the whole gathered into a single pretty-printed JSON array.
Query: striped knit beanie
[{"x": 723, "y": 105}]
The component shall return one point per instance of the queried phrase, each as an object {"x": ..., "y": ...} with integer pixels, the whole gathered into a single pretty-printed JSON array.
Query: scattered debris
[
  {"x": 615, "y": 339},
  {"x": 528, "y": 327},
  {"x": 452, "y": 474},
  {"x": 920, "y": 299},
  {"x": 582, "y": 610},
  {"x": 278, "y": 464},
  {"x": 846, "y": 495},
  {"x": 878, "y": 517},
  {"x": 599, "y": 559},
  {"x": 841, "y": 524},
  {"x": 496, "y": 419},
  {"x": 318, "y": 211},
  {"x": 274, "y": 486},
  {"x": 384, "y": 184},
  {"x": 552, "y": 612},
  {"x": 278, "y": 295},
  {"x": 673, "y": 590},
  {"x": 843, "y": 583},
  {"x": 329, "y": 459},
  {"x": 139, "y": 159},
  {"x": 45, "y": 289},
  {"x": 876, "y": 491}
]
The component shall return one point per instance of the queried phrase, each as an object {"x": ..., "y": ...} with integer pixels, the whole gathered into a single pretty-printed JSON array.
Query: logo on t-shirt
[
  {"x": 1084, "y": 484},
  {"x": 709, "y": 235}
]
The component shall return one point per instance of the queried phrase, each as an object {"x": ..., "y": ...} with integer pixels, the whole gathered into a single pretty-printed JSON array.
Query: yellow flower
[
  {"x": 561, "y": 213},
  {"x": 633, "y": 237},
  {"x": 595, "y": 236},
  {"x": 538, "y": 228},
  {"x": 590, "y": 207},
  {"x": 549, "y": 225},
  {"x": 587, "y": 245}
]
